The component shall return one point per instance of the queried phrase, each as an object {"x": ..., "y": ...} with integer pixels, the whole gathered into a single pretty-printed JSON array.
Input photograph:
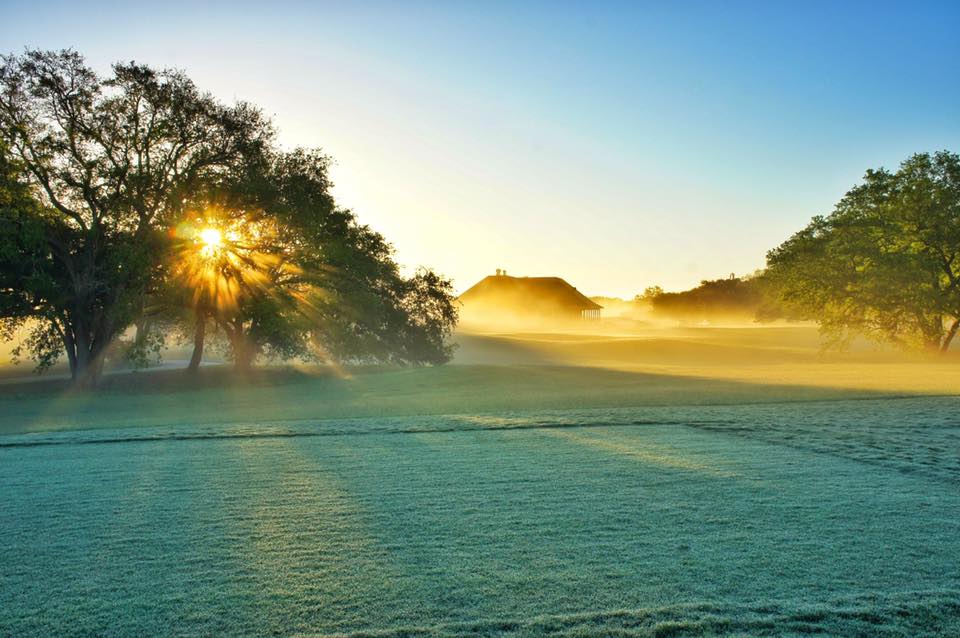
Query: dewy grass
[
  {"x": 837, "y": 517},
  {"x": 571, "y": 485},
  {"x": 496, "y": 373}
]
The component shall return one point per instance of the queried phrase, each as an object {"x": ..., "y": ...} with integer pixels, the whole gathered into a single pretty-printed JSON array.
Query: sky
[{"x": 618, "y": 145}]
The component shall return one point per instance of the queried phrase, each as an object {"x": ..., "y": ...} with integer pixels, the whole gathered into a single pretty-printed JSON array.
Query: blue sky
[{"x": 619, "y": 145}]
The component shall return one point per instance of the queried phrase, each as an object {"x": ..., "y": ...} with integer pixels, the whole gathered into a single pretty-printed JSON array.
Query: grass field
[{"x": 553, "y": 484}]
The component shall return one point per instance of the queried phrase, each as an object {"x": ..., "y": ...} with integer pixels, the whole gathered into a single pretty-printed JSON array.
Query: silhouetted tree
[
  {"x": 730, "y": 297},
  {"x": 29, "y": 277},
  {"x": 649, "y": 294},
  {"x": 109, "y": 186},
  {"x": 886, "y": 262},
  {"x": 110, "y": 162},
  {"x": 321, "y": 285}
]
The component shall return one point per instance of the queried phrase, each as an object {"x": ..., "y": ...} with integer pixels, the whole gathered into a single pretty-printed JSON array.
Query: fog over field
[
  {"x": 479, "y": 319},
  {"x": 625, "y": 480},
  {"x": 602, "y": 364}
]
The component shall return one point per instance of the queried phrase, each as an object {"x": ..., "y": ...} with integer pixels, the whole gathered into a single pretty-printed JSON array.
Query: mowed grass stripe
[{"x": 320, "y": 535}]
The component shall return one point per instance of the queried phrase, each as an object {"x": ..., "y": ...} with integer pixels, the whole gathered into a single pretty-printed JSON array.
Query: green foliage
[
  {"x": 649, "y": 294},
  {"x": 340, "y": 295},
  {"x": 144, "y": 350},
  {"x": 733, "y": 296},
  {"x": 29, "y": 275},
  {"x": 97, "y": 172},
  {"x": 109, "y": 162},
  {"x": 885, "y": 262}
]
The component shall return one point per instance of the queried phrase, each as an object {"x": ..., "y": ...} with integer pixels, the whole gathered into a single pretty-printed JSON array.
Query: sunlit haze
[
  {"x": 619, "y": 145},
  {"x": 211, "y": 239},
  {"x": 475, "y": 317}
]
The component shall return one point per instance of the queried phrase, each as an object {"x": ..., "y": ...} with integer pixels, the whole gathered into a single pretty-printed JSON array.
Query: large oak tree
[
  {"x": 110, "y": 161},
  {"x": 886, "y": 262},
  {"x": 108, "y": 183}
]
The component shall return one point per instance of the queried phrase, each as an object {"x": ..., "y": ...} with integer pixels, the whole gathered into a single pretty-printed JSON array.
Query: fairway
[
  {"x": 838, "y": 516},
  {"x": 479, "y": 320}
]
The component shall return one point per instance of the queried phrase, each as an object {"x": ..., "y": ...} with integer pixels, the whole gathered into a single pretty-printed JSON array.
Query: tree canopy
[
  {"x": 111, "y": 189},
  {"x": 885, "y": 262},
  {"x": 718, "y": 298}
]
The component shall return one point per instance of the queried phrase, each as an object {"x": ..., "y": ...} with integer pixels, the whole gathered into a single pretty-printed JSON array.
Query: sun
[{"x": 211, "y": 241}]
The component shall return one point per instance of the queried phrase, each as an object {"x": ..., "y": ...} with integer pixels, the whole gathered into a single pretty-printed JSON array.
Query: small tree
[
  {"x": 886, "y": 262},
  {"x": 729, "y": 297},
  {"x": 650, "y": 294}
]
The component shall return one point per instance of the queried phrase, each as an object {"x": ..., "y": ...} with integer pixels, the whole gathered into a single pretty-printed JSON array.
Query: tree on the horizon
[
  {"x": 886, "y": 262},
  {"x": 731, "y": 296},
  {"x": 649, "y": 294}
]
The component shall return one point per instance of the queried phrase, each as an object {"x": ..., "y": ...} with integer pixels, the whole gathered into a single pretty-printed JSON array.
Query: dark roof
[{"x": 527, "y": 292}]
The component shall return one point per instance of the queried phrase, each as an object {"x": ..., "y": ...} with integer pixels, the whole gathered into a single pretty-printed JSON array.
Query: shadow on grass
[{"x": 218, "y": 395}]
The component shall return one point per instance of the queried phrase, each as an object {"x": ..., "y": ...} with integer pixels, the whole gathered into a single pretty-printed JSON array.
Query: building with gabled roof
[{"x": 542, "y": 298}]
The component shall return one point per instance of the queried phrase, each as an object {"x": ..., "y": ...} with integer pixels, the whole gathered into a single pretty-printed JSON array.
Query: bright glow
[
  {"x": 224, "y": 255},
  {"x": 211, "y": 240},
  {"x": 655, "y": 151}
]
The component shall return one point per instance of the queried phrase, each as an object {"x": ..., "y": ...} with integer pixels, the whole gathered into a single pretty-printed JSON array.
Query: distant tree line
[
  {"x": 732, "y": 297},
  {"x": 884, "y": 264},
  {"x": 136, "y": 203}
]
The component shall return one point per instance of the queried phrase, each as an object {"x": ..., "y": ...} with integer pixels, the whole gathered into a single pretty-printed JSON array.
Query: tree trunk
[
  {"x": 81, "y": 371},
  {"x": 199, "y": 334},
  {"x": 70, "y": 347},
  {"x": 86, "y": 343},
  {"x": 142, "y": 325},
  {"x": 244, "y": 354},
  {"x": 951, "y": 333},
  {"x": 244, "y": 350},
  {"x": 89, "y": 377},
  {"x": 88, "y": 364}
]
